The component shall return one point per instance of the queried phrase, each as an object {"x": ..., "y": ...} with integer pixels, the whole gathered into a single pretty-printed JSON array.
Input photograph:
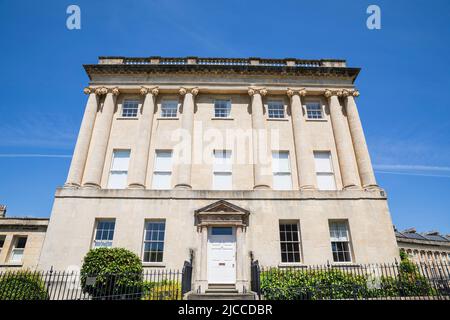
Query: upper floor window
[
  {"x": 119, "y": 169},
  {"x": 162, "y": 172},
  {"x": 340, "y": 241},
  {"x": 314, "y": 110},
  {"x": 289, "y": 242},
  {"x": 222, "y": 170},
  {"x": 104, "y": 233},
  {"x": 275, "y": 109},
  {"x": 154, "y": 241},
  {"x": 281, "y": 169},
  {"x": 222, "y": 108},
  {"x": 130, "y": 108},
  {"x": 324, "y": 170},
  {"x": 18, "y": 249},
  {"x": 169, "y": 109}
]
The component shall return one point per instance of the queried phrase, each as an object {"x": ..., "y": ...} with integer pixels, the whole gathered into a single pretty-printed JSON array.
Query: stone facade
[
  {"x": 26, "y": 254},
  {"x": 191, "y": 208},
  {"x": 427, "y": 247}
]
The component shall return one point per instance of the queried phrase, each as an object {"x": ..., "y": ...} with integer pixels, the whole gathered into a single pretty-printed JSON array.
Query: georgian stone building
[{"x": 224, "y": 160}]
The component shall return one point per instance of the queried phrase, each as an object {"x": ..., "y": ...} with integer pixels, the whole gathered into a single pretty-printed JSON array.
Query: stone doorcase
[{"x": 222, "y": 214}]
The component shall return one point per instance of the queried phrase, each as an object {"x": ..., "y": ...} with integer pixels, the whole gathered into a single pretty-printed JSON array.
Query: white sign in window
[
  {"x": 118, "y": 174},
  {"x": 324, "y": 170},
  {"x": 222, "y": 170},
  {"x": 104, "y": 233},
  {"x": 162, "y": 172},
  {"x": 281, "y": 169}
]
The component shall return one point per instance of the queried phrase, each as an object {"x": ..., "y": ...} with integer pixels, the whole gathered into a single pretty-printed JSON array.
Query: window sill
[
  {"x": 219, "y": 118},
  {"x": 277, "y": 119},
  {"x": 127, "y": 118},
  {"x": 154, "y": 264},
  {"x": 291, "y": 265},
  {"x": 167, "y": 118},
  {"x": 316, "y": 120}
]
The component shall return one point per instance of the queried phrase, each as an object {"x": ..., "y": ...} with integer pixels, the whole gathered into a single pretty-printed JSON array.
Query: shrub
[
  {"x": 163, "y": 290},
  {"x": 117, "y": 272},
  {"x": 22, "y": 285}
]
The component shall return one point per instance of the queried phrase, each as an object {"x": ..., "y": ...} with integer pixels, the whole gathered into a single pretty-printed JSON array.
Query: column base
[
  {"x": 308, "y": 188},
  {"x": 261, "y": 187},
  {"x": 71, "y": 185},
  {"x": 91, "y": 185},
  {"x": 371, "y": 187},
  {"x": 352, "y": 187},
  {"x": 183, "y": 186},
  {"x": 136, "y": 186}
]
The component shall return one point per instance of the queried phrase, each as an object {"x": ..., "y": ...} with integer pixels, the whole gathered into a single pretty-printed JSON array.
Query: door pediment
[{"x": 221, "y": 213}]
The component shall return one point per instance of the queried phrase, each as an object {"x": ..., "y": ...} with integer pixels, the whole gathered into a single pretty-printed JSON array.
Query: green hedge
[
  {"x": 162, "y": 290},
  {"x": 22, "y": 285},
  {"x": 117, "y": 272},
  {"x": 298, "y": 284}
]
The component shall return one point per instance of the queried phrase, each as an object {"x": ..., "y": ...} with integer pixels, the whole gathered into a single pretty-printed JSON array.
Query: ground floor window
[
  {"x": 104, "y": 233},
  {"x": 340, "y": 241},
  {"x": 154, "y": 241},
  {"x": 290, "y": 242}
]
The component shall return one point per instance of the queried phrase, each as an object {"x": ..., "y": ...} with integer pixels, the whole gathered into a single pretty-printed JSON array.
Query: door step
[
  {"x": 221, "y": 296},
  {"x": 221, "y": 288}
]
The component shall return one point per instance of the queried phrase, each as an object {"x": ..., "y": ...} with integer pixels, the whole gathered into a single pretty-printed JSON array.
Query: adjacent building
[
  {"x": 21, "y": 241},
  {"x": 221, "y": 160},
  {"x": 426, "y": 247}
]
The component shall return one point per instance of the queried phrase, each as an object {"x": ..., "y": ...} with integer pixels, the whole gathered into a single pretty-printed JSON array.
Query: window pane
[
  {"x": 222, "y": 161},
  {"x": 118, "y": 180},
  {"x": 104, "y": 233},
  {"x": 282, "y": 181},
  {"x": 222, "y": 181},
  {"x": 222, "y": 108},
  {"x": 154, "y": 241},
  {"x": 323, "y": 161},
  {"x": 130, "y": 108},
  {"x": 21, "y": 242},
  {"x": 163, "y": 161},
  {"x": 280, "y": 161},
  {"x": 162, "y": 181},
  {"x": 275, "y": 109},
  {"x": 289, "y": 242},
  {"x": 314, "y": 110},
  {"x": 120, "y": 161},
  {"x": 169, "y": 109},
  {"x": 325, "y": 181},
  {"x": 221, "y": 230}
]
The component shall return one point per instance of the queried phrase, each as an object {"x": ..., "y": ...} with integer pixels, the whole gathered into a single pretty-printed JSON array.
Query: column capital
[
  {"x": 115, "y": 91},
  {"x": 253, "y": 91},
  {"x": 88, "y": 90},
  {"x": 332, "y": 92},
  {"x": 350, "y": 93},
  {"x": 301, "y": 92},
  {"x": 144, "y": 90},
  {"x": 193, "y": 91},
  {"x": 100, "y": 91}
]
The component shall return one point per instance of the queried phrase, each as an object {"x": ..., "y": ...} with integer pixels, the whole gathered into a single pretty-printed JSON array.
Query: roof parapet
[{"x": 2, "y": 210}]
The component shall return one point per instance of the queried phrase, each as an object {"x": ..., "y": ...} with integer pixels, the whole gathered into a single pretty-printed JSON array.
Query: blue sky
[{"x": 404, "y": 82}]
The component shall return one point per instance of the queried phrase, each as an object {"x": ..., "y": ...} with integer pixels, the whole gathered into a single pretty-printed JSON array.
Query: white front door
[{"x": 221, "y": 255}]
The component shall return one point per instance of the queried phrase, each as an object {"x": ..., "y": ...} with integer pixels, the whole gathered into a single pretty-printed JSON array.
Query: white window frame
[
  {"x": 279, "y": 172},
  {"x": 277, "y": 103},
  {"x": 128, "y": 112},
  {"x": 320, "y": 110},
  {"x": 320, "y": 173},
  {"x": 118, "y": 171},
  {"x": 222, "y": 168},
  {"x": 103, "y": 243},
  {"x": 171, "y": 115},
  {"x": 159, "y": 172},
  {"x": 158, "y": 240},
  {"x": 2, "y": 242},
  {"x": 290, "y": 242},
  {"x": 17, "y": 252},
  {"x": 340, "y": 234},
  {"x": 226, "y": 111}
]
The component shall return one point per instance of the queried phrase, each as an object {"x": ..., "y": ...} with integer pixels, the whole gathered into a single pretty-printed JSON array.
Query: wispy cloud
[{"x": 413, "y": 170}]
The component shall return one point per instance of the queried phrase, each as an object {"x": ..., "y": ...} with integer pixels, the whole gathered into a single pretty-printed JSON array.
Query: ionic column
[
  {"x": 303, "y": 152},
  {"x": 139, "y": 160},
  {"x": 187, "y": 124},
  {"x": 100, "y": 137},
  {"x": 359, "y": 141},
  {"x": 84, "y": 138},
  {"x": 349, "y": 173},
  {"x": 261, "y": 180}
]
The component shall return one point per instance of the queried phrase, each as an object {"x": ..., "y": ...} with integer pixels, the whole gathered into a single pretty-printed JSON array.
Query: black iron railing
[
  {"x": 155, "y": 284},
  {"x": 374, "y": 281}
]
